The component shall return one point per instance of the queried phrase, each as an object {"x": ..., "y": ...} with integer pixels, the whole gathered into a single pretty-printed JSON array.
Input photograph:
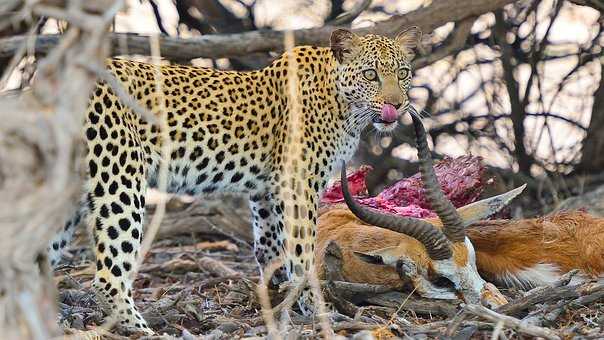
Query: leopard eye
[
  {"x": 403, "y": 73},
  {"x": 370, "y": 74}
]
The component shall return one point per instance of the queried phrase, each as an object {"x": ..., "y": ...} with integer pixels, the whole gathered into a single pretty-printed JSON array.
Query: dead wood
[
  {"x": 418, "y": 305},
  {"x": 343, "y": 306},
  {"x": 175, "y": 265},
  {"x": 209, "y": 283},
  {"x": 216, "y": 46},
  {"x": 545, "y": 294},
  {"x": 201, "y": 246},
  {"x": 592, "y": 202},
  {"x": 222, "y": 217},
  {"x": 216, "y": 267},
  {"x": 511, "y": 322},
  {"x": 547, "y": 304},
  {"x": 208, "y": 264}
]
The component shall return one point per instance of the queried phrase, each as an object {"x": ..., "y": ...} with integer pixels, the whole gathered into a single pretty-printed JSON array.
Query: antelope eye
[
  {"x": 370, "y": 74},
  {"x": 442, "y": 282},
  {"x": 403, "y": 73}
]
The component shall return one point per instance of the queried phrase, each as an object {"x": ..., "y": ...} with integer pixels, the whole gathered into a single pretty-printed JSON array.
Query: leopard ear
[
  {"x": 408, "y": 40},
  {"x": 345, "y": 45}
]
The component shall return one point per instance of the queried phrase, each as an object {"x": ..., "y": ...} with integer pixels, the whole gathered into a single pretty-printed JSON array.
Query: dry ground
[{"x": 194, "y": 285}]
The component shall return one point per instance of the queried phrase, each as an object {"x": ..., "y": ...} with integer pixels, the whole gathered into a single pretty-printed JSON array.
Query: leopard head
[{"x": 374, "y": 75}]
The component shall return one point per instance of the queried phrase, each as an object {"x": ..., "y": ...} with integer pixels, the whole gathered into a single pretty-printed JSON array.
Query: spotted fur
[{"x": 228, "y": 133}]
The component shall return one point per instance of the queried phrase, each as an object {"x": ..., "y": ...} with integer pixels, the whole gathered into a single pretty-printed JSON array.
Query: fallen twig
[
  {"x": 342, "y": 305},
  {"x": 182, "y": 265},
  {"x": 216, "y": 267},
  {"x": 511, "y": 322},
  {"x": 291, "y": 298},
  {"x": 546, "y": 294},
  {"x": 218, "y": 245}
]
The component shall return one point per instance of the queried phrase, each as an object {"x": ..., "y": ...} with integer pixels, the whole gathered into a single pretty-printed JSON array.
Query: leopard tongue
[{"x": 389, "y": 113}]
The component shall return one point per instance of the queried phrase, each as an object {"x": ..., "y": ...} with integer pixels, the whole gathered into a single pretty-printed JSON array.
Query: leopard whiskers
[
  {"x": 419, "y": 114},
  {"x": 359, "y": 118}
]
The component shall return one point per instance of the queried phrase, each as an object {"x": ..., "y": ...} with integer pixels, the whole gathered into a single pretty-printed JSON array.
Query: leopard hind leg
[
  {"x": 62, "y": 239},
  {"x": 117, "y": 218}
]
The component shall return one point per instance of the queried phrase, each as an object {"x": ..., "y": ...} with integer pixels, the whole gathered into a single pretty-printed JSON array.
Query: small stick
[
  {"x": 218, "y": 245},
  {"x": 291, "y": 297},
  {"x": 342, "y": 305},
  {"x": 265, "y": 303},
  {"x": 511, "y": 322},
  {"x": 19, "y": 54},
  {"x": 455, "y": 323},
  {"x": 216, "y": 267},
  {"x": 497, "y": 330},
  {"x": 166, "y": 146},
  {"x": 565, "y": 279}
]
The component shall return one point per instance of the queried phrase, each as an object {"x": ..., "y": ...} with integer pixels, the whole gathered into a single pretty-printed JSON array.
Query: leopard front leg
[
  {"x": 268, "y": 238},
  {"x": 296, "y": 206}
]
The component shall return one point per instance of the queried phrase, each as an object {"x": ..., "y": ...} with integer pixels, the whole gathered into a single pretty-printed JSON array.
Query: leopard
[{"x": 231, "y": 132}]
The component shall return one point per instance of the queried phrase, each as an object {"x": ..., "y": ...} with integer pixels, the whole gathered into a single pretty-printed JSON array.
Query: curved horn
[
  {"x": 436, "y": 243},
  {"x": 453, "y": 225}
]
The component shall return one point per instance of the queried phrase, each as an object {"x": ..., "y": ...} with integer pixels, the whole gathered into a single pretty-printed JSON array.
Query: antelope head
[{"x": 445, "y": 267}]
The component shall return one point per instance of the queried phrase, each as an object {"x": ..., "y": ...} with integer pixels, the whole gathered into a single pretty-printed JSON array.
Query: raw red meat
[
  {"x": 356, "y": 184},
  {"x": 461, "y": 179}
]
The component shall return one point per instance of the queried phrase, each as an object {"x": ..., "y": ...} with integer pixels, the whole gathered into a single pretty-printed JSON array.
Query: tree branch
[
  {"x": 336, "y": 9},
  {"x": 518, "y": 112},
  {"x": 456, "y": 42},
  {"x": 348, "y": 17},
  {"x": 592, "y": 158},
  {"x": 216, "y": 46},
  {"x": 158, "y": 19}
]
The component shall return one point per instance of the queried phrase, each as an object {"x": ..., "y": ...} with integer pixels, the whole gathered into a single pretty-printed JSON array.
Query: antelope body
[
  {"x": 441, "y": 257},
  {"x": 537, "y": 251},
  {"x": 519, "y": 253}
]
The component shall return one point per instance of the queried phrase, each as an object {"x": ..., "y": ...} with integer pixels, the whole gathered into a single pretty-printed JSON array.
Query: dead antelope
[
  {"x": 443, "y": 260},
  {"x": 537, "y": 251}
]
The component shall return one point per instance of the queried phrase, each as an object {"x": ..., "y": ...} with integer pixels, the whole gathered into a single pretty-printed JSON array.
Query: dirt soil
[{"x": 204, "y": 286}]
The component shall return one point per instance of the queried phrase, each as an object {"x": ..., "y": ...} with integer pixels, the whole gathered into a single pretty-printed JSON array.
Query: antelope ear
[
  {"x": 385, "y": 256},
  {"x": 483, "y": 209},
  {"x": 408, "y": 40},
  {"x": 345, "y": 45}
]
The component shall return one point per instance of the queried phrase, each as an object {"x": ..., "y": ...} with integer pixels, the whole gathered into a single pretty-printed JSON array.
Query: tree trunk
[
  {"x": 592, "y": 158},
  {"x": 518, "y": 112}
]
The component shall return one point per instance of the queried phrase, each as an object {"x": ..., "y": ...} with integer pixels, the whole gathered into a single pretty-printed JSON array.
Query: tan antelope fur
[
  {"x": 513, "y": 253},
  {"x": 360, "y": 242},
  {"x": 537, "y": 251},
  {"x": 524, "y": 253}
]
